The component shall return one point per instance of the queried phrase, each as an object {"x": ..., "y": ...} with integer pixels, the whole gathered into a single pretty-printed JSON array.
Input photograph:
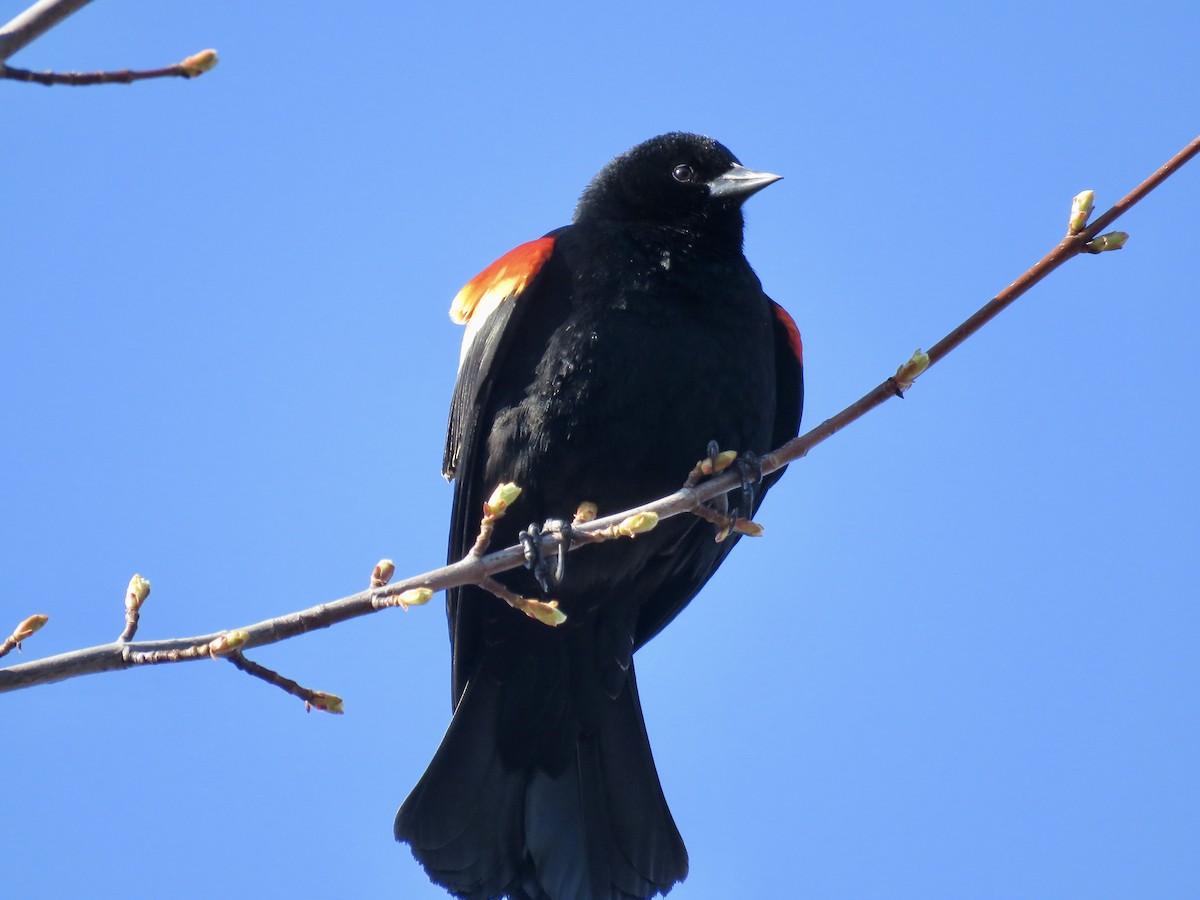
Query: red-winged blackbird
[{"x": 599, "y": 363}]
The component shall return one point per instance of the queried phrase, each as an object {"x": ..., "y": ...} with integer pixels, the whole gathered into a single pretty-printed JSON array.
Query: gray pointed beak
[{"x": 739, "y": 183}]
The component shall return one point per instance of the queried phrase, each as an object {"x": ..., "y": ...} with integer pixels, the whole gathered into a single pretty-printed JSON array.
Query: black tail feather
[
  {"x": 463, "y": 819},
  {"x": 642, "y": 828},
  {"x": 597, "y": 829}
]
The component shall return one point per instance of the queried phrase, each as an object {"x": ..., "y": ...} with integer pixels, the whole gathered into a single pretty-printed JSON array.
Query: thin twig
[
  {"x": 135, "y": 598},
  {"x": 312, "y": 699},
  {"x": 492, "y": 586},
  {"x": 192, "y": 67},
  {"x": 473, "y": 570}
]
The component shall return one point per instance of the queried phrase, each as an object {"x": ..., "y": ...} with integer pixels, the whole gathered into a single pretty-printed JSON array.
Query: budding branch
[
  {"x": 479, "y": 569},
  {"x": 44, "y": 15}
]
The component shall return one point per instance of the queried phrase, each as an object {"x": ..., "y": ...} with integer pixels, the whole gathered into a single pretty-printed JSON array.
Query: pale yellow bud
[
  {"x": 30, "y": 626},
  {"x": 638, "y": 523},
  {"x": 908, "y": 372},
  {"x": 384, "y": 570},
  {"x": 546, "y": 612},
  {"x": 330, "y": 703},
  {"x": 502, "y": 498},
  {"x": 1081, "y": 209},
  {"x": 199, "y": 63},
  {"x": 586, "y": 512},
  {"x": 724, "y": 460},
  {"x": 137, "y": 592},
  {"x": 415, "y": 597},
  {"x": 746, "y": 527},
  {"x": 226, "y": 643}
]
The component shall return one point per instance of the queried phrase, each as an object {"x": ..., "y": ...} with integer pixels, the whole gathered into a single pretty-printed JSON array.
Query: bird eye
[{"x": 684, "y": 173}]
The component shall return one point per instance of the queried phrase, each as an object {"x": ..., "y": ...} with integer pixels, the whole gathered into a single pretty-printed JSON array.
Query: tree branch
[
  {"x": 44, "y": 15},
  {"x": 192, "y": 67},
  {"x": 477, "y": 569},
  {"x": 33, "y": 23},
  {"x": 1070, "y": 246}
]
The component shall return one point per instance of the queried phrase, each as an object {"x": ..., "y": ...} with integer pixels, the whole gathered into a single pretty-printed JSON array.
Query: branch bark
[{"x": 689, "y": 499}]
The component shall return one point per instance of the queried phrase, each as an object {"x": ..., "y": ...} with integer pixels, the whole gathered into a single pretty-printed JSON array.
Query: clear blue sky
[{"x": 962, "y": 662}]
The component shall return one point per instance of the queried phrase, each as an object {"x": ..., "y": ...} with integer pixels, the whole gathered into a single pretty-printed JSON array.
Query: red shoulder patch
[
  {"x": 793, "y": 333},
  {"x": 505, "y": 277}
]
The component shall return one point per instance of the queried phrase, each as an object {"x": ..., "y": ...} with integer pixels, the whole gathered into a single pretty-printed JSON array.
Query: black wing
[{"x": 493, "y": 305}]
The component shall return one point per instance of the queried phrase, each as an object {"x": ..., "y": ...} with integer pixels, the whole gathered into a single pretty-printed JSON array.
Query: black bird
[{"x": 599, "y": 363}]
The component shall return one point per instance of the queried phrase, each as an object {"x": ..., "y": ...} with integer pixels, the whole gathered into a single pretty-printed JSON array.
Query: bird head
[{"x": 677, "y": 179}]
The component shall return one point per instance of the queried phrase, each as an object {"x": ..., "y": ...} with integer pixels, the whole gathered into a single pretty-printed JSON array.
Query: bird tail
[{"x": 594, "y": 827}]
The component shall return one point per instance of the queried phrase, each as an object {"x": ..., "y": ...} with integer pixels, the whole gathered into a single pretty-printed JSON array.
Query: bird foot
[
  {"x": 536, "y": 562},
  {"x": 749, "y": 466}
]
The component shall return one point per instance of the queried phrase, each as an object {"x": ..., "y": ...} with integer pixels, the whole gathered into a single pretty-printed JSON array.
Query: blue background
[{"x": 962, "y": 662}]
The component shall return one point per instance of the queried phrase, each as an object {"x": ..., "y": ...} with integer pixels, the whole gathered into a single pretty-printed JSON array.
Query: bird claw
[
  {"x": 565, "y": 533},
  {"x": 749, "y": 466},
  {"x": 535, "y": 560}
]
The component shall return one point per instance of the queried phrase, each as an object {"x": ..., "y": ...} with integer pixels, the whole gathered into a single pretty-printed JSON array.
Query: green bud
[
  {"x": 330, "y": 703},
  {"x": 415, "y": 597},
  {"x": 224, "y": 644},
  {"x": 1114, "y": 240},
  {"x": 502, "y": 498},
  {"x": 907, "y": 373},
  {"x": 546, "y": 612},
  {"x": 137, "y": 592},
  {"x": 1081, "y": 209},
  {"x": 638, "y": 523}
]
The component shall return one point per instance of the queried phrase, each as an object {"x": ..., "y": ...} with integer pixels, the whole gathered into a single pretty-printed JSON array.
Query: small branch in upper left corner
[{"x": 192, "y": 67}]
